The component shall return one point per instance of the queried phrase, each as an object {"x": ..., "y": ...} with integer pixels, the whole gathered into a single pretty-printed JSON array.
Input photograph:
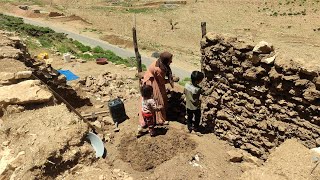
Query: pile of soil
[
  {"x": 147, "y": 152},
  {"x": 291, "y": 160}
]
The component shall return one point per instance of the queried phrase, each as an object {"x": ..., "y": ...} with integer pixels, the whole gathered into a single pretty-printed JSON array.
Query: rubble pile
[
  {"x": 109, "y": 86},
  {"x": 17, "y": 87},
  {"x": 260, "y": 98}
]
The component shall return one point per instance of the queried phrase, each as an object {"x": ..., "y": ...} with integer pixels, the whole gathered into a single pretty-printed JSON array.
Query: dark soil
[{"x": 147, "y": 152}]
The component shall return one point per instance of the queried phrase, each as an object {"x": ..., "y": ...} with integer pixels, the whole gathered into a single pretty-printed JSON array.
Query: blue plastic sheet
[{"x": 69, "y": 75}]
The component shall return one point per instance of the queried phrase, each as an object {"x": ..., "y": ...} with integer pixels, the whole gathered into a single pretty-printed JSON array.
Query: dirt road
[{"x": 181, "y": 73}]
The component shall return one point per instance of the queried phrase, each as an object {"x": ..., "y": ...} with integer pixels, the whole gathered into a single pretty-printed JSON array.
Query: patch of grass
[
  {"x": 99, "y": 49},
  {"x": 50, "y": 39},
  {"x": 31, "y": 44},
  {"x": 81, "y": 47}
]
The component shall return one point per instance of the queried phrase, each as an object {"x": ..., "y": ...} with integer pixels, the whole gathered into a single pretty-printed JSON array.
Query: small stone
[
  {"x": 269, "y": 60},
  {"x": 6, "y": 143},
  {"x": 251, "y": 159},
  {"x": 81, "y": 60},
  {"x": 116, "y": 170},
  {"x": 263, "y": 48},
  {"x": 97, "y": 124},
  {"x": 318, "y": 141},
  {"x": 235, "y": 156},
  {"x": 72, "y": 57},
  {"x": 99, "y": 106},
  {"x": 133, "y": 69},
  {"x": 23, "y": 74},
  {"x": 24, "y": 7}
]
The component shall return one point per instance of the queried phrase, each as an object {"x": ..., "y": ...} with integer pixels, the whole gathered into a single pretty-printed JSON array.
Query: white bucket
[{"x": 66, "y": 57}]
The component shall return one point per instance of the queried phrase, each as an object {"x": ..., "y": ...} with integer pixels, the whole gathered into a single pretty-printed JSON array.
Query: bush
[
  {"x": 81, "y": 47},
  {"x": 98, "y": 49}
]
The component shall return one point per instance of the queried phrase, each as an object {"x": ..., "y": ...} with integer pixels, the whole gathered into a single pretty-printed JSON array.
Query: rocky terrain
[{"x": 261, "y": 98}]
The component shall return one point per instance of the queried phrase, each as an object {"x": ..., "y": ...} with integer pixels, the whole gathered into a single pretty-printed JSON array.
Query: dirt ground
[
  {"x": 291, "y": 160},
  {"x": 173, "y": 154},
  {"x": 296, "y": 36}
]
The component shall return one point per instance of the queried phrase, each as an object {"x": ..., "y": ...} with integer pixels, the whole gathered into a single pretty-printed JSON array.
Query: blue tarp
[{"x": 69, "y": 75}]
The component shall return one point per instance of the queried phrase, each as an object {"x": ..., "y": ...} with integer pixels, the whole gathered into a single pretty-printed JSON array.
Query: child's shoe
[{"x": 152, "y": 132}]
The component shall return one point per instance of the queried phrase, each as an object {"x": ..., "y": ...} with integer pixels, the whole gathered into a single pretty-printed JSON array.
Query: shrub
[{"x": 98, "y": 49}]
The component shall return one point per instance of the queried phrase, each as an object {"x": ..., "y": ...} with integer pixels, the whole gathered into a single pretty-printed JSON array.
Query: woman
[{"x": 156, "y": 77}]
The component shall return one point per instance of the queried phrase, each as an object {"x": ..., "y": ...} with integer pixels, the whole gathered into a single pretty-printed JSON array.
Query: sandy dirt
[
  {"x": 174, "y": 154},
  {"x": 291, "y": 160},
  {"x": 295, "y": 36}
]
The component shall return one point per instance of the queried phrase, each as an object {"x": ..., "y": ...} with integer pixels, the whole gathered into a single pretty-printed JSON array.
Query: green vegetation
[
  {"x": 289, "y": 7},
  {"x": 49, "y": 39},
  {"x": 184, "y": 81}
]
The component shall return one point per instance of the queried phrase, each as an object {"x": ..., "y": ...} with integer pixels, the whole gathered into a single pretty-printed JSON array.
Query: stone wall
[{"x": 260, "y": 98}]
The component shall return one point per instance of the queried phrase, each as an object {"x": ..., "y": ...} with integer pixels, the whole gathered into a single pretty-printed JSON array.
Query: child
[
  {"x": 192, "y": 93},
  {"x": 148, "y": 108}
]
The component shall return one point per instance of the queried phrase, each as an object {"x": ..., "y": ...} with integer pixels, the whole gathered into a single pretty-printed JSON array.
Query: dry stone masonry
[{"x": 261, "y": 98}]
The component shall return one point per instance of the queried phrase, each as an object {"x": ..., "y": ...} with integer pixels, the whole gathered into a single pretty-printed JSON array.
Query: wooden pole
[
  {"x": 135, "y": 45},
  {"x": 203, "y": 28},
  {"x": 203, "y": 32}
]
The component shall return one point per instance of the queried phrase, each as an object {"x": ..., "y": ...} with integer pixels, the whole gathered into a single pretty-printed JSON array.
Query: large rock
[
  {"x": 263, "y": 48},
  {"x": 26, "y": 92}
]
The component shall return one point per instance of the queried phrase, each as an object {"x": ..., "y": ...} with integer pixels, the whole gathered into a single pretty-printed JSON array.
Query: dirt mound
[
  {"x": 147, "y": 152},
  {"x": 291, "y": 160}
]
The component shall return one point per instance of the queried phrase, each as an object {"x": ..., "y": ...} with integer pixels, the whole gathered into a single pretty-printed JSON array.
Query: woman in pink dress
[{"x": 158, "y": 74}]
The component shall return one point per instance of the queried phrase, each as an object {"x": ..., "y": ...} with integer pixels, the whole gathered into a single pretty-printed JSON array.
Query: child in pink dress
[{"x": 149, "y": 107}]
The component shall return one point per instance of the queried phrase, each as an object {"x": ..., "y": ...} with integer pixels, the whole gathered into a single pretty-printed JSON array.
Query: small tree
[{"x": 173, "y": 24}]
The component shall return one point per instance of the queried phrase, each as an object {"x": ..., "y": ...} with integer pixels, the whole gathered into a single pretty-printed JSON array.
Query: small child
[
  {"x": 192, "y": 93},
  {"x": 149, "y": 107}
]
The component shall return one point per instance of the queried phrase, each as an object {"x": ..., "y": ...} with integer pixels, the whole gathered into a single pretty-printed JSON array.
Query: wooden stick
[
  {"x": 96, "y": 113},
  {"x": 97, "y": 129},
  {"x": 203, "y": 28},
  {"x": 203, "y": 33},
  {"x": 135, "y": 44}
]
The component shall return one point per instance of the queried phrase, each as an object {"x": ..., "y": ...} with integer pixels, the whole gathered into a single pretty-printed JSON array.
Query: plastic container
[
  {"x": 117, "y": 110},
  {"x": 101, "y": 61},
  {"x": 66, "y": 57}
]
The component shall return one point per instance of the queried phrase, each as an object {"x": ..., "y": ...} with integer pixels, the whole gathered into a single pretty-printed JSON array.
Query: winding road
[{"x": 181, "y": 73}]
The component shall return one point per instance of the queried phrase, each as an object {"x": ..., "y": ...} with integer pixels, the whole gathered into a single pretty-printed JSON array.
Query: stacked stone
[
  {"x": 259, "y": 99},
  {"x": 109, "y": 86}
]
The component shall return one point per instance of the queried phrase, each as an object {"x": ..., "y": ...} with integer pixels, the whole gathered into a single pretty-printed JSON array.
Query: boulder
[
  {"x": 263, "y": 48},
  {"x": 25, "y": 92}
]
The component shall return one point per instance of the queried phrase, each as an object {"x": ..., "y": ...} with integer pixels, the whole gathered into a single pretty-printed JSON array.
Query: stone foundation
[{"x": 260, "y": 98}]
